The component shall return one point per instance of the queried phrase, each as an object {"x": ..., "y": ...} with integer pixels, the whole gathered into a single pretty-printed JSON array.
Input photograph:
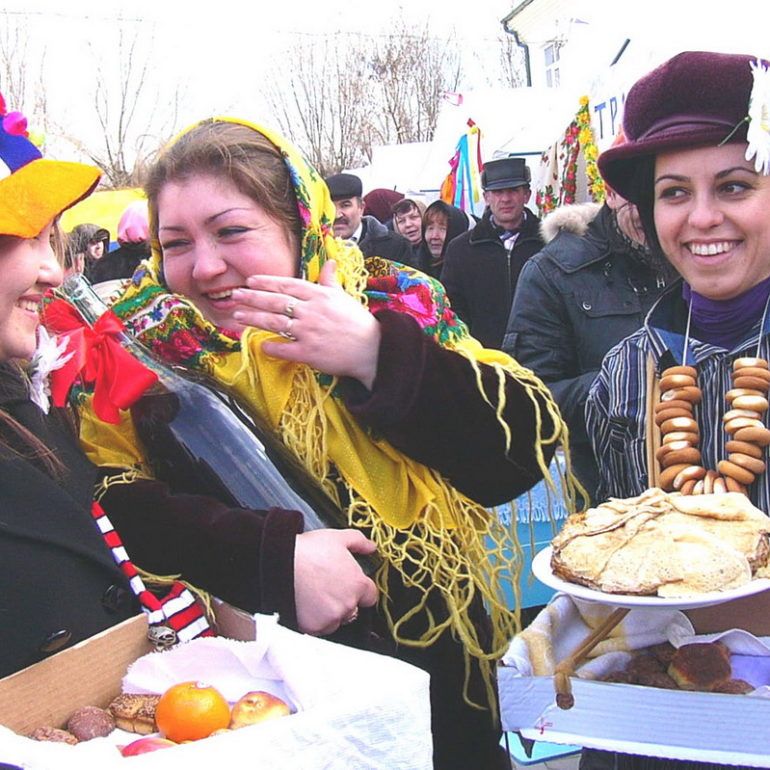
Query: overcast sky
[
  {"x": 212, "y": 49},
  {"x": 217, "y": 52}
]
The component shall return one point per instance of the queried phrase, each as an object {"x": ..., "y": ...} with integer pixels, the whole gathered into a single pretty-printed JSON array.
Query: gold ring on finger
[{"x": 287, "y": 333}]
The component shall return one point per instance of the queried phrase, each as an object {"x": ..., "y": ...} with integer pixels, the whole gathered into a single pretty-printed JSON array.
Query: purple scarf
[{"x": 726, "y": 322}]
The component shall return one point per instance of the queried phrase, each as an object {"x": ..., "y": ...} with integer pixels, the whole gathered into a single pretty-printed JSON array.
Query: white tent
[{"x": 517, "y": 121}]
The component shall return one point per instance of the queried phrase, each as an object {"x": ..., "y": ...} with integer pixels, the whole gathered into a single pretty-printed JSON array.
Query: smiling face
[
  {"x": 711, "y": 217},
  {"x": 29, "y": 268},
  {"x": 507, "y": 205},
  {"x": 213, "y": 237}
]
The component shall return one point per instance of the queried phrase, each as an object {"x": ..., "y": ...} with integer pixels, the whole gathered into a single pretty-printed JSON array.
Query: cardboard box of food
[
  {"x": 357, "y": 703},
  {"x": 709, "y": 727}
]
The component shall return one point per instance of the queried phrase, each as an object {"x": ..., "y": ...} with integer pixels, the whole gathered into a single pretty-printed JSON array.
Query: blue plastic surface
[
  {"x": 542, "y": 751},
  {"x": 534, "y": 526}
]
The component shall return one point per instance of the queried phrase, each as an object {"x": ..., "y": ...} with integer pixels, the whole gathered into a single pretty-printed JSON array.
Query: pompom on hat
[
  {"x": 33, "y": 190},
  {"x": 694, "y": 99}
]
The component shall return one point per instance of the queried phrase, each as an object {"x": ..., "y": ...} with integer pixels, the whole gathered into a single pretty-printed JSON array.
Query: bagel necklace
[{"x": 679, "y": 456}]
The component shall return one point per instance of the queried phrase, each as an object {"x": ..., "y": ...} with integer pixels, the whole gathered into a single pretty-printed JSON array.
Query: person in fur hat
[{"x": 591, "y": 286}]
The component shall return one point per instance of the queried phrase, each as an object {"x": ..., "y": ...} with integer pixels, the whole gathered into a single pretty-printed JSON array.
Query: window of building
[{"x": 552, "y": 64}]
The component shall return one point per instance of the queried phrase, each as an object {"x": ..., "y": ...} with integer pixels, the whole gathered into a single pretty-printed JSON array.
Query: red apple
[
  {"x": 143, "y": 745},
  {"x": 255, "y": 707}
]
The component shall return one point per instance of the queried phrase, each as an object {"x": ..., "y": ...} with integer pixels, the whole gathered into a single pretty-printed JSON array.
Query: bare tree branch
[
  {"x": 126, "y": 108},
  {"x": 511, "y": 63},
  {"x": 15, "y": 72},
  {"x": 339, "y": 98}
]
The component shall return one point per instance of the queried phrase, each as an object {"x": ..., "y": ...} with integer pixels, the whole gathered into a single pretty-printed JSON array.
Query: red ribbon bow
[{"x": 119, "y": 379}]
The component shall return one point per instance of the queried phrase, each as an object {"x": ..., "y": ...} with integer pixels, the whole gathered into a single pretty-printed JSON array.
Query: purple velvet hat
[{"x": 696, "y": 98}]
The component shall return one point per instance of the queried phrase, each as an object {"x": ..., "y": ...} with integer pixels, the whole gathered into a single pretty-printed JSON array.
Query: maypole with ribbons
[{"x": 462, "y": 186}]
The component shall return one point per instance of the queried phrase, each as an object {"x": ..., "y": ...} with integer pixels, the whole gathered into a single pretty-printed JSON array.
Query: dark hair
[
  {"x": 436, "y": 214},
  {"x": 17, "y": 440},
  {"x": 642, "y": 187},
  {"x": 239, "y": 153},
  {"x": 404, "y": 206}
]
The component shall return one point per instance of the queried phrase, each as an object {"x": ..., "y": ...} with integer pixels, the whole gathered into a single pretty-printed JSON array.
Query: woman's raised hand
[
  {"x": 324, "y": 326},
  {"x": 329, "y": 584}
]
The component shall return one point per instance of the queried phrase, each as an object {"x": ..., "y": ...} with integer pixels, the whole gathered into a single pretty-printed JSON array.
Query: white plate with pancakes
[{"x": 541, "y": 567}]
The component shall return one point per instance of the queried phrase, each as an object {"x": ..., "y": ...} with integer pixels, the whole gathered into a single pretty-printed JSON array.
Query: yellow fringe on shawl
[
  {"x": 422, "y": 525},
  {"x": 436, "y": 538}
]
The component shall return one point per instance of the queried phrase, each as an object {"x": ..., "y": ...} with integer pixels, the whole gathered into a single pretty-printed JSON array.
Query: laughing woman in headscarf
[{"x": 362, "y": 370}]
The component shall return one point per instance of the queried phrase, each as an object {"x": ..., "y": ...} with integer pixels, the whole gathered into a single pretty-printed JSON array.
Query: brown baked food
[
  {"x": 658, "y": 679},
  {"x": 55, "y": 734},
  {"x": 700, "y": 666},
  {"x": 663, "y": 652},
  {"x": 90, "y": 722},
  {"x": 619, "y": 677},
  {"x": 665, "y": 544},
  {"x": 135, "y": 712},
  {"x": 642, "y": 665},
  {"x": 734, "y": 687},
  {"x": 255, "y": 707}
]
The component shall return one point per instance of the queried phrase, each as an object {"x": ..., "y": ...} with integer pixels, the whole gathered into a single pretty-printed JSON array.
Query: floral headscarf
[{"x": 416, "y": 518}]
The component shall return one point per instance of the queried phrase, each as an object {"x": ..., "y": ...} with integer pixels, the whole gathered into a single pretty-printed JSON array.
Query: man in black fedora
[
  {"x": 368, "y": 233},
  {"x": 482, "y": 266}
]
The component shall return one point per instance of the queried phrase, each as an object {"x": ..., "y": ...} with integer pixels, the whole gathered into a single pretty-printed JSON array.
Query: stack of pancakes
[{"x": 663, "y": 544}]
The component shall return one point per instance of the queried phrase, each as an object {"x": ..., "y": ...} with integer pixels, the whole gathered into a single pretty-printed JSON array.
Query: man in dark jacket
[
  {"x": 590, "y": 287},
  {"x": 370, "y": 235},
  {"x": 482, "y": 266}
]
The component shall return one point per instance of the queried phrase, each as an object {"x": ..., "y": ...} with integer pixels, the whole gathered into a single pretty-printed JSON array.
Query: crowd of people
[{"x": 421, "y": 364}]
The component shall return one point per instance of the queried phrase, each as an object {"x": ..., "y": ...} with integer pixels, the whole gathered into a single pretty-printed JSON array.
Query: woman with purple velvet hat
[{"x": 696, "y": 164}]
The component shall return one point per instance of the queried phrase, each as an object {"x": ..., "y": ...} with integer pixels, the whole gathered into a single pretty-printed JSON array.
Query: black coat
[
  {"x": 58, "y": 581},
  {"x": 575, "y": 300},
  {"x": 120, "y": 263},
  {"x": 378, "y": 241},
  {"x": 480, "y": 275}
]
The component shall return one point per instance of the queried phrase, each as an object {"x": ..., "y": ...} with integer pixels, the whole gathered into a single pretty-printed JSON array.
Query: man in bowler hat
[
  {"x": 350, "y": 223},
  {"x": 482, "y": 266}
]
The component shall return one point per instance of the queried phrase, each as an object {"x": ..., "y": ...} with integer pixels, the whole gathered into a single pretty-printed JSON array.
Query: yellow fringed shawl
[{"x": 422, "y": 526}]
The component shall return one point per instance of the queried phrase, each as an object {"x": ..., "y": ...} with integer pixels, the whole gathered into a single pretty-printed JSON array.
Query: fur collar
[{"x": 574, "y": 218}]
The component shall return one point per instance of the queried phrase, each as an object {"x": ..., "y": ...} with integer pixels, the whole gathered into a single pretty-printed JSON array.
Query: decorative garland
[{"x": 561, "y": 164}]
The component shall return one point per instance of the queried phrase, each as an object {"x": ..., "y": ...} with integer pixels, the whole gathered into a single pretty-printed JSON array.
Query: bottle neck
[{"x": 82, "y": 296}]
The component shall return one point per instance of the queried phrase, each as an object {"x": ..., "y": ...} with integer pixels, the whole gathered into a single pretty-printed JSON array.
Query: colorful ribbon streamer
[{"x": 461, "y": 187}]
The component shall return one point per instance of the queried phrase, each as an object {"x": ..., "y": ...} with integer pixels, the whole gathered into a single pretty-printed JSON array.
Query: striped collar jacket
[{"x": 617, "y": 408}]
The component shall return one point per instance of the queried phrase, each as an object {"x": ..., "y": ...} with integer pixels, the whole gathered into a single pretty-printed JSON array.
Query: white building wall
[{"x": 592, "y": 34}]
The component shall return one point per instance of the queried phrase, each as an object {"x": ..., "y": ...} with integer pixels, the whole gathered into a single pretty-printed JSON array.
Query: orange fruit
[{"x": 191, "y": 710}]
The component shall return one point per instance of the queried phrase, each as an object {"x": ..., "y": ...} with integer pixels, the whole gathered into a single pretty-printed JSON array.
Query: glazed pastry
[
  {"x": 135, "y": 712},
  {"x": 701, "y": 666},
  {"x": 90, "y": 722}
]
